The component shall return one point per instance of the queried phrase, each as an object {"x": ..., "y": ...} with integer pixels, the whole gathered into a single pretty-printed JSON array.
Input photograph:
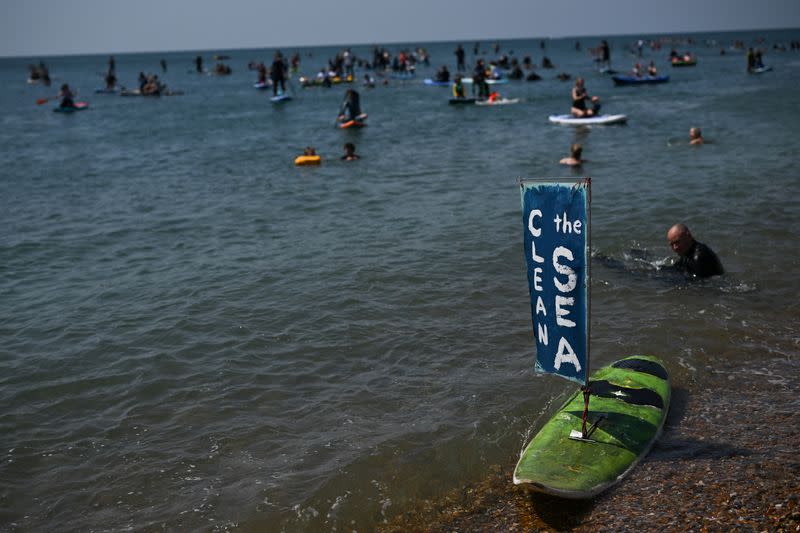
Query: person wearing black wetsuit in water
[{"x": 695, "y": 258}]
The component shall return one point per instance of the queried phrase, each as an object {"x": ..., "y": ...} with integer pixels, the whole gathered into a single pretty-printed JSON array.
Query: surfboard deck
[
  {"x": 596, "y": 120},
  {"x": 634, "y": 396},
  {"x": 280, "y": 98}
]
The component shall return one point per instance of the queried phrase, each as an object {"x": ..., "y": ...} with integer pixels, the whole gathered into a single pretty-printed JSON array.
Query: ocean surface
[{"x": 197, "y": 335}]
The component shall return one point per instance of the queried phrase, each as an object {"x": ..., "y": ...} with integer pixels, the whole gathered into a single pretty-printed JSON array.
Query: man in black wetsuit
[
  {"x": 278, "y": 74},
  {"x": 696, "y": 258}
]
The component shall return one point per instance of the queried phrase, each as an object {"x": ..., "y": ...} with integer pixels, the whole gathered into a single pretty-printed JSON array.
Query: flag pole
[{"x": 587, "y": 391}]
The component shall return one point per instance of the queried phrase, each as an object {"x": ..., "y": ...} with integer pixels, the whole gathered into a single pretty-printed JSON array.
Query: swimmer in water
[
  {"x": 695, "y": 136},
  {"x": 574, "y": 158},
  {"x": 695, "y": 258},
  {"x": 350, "y": 152}
]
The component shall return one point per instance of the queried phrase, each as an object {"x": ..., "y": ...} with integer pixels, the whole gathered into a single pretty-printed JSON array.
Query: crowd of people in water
[{"x": 695, "y": 258}]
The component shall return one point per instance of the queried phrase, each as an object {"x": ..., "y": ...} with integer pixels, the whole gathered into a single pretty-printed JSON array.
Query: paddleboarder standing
[{"x": 277, "y": 73}]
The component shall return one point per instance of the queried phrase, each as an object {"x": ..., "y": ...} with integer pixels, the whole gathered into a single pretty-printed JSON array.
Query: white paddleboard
[
  {"x": 489, "y": 81},
  {"x": 501, "y": 101},
  {"x": 588, "y": 121}
]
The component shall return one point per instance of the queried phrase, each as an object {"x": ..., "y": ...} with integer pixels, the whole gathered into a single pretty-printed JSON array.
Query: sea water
[{"x": 195, "y": 334}]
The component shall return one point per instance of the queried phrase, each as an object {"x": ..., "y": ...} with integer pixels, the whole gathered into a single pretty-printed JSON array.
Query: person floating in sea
[
  {"x": 651, "y": 69},
  {"x": 277, "y": 73},
  {"x": 369, "y": 81},
  {"x": 574, "y": 158},
  {"x": 458, "y": 88},
  {"x": 695, "y": 136},
  {"x": 695, "y": 258},
  {"x": 351, "y": 107},
  {"x": 350, "y": 152},
  {"x": 67, "y": 97},
  {"x": 198, "y": 64},
  {"x": 579, "y": 97},
  {"x": 309, "y": 157}
]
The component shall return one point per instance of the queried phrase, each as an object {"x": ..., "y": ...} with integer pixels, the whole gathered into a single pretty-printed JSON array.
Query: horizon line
[{"x": 386, "y": 43}]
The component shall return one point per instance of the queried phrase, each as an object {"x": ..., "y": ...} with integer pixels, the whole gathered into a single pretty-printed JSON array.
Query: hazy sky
[{"x": 58, "y": 27}]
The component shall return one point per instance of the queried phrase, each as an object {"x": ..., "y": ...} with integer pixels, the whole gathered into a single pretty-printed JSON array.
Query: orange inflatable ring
[{"x": 304, "y": 160}]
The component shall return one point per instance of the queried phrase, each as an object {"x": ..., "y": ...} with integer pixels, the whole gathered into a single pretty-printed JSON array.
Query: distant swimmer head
[
  {"x": 695, "y": 136},
  {"x": 349, "y": 152}
]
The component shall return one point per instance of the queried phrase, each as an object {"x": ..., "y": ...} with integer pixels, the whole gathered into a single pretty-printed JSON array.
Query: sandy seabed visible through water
[{"x": 727, "y": 461}]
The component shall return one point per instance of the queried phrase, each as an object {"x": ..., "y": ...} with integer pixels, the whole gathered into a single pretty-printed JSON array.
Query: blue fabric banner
[{"x": 556, "y": 228}]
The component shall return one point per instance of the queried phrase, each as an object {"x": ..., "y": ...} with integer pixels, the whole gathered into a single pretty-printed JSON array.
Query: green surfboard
[{"x": 631, "y": 397}]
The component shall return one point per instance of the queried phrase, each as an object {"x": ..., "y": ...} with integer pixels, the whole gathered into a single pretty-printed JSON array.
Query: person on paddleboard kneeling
[
  {"x": 67, "y": 96},
  {"x": 695, "y": 258},
  {"x": 579, "y": 97}
]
